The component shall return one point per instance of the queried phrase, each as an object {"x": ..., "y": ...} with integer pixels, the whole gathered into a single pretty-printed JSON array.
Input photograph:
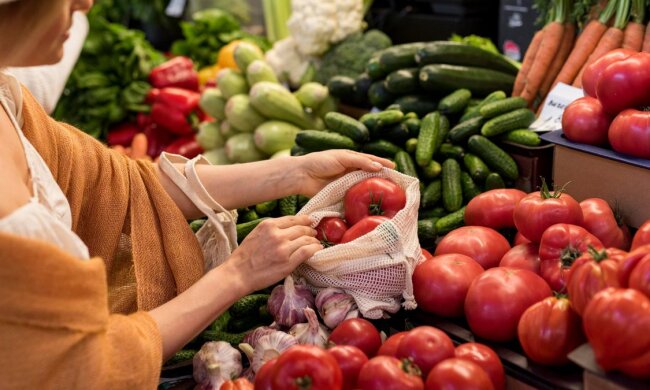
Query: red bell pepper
[
  {"x": 187, "y": 147},
  {"x": 157, "y": 139},
  {"x": 176, "y": 110},
  {"x": 177, "y": 72},
  {"x": 122, "y": 134}
]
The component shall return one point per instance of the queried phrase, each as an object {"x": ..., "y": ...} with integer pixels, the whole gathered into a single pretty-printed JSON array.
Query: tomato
[
  {"x": 482, "y": 244},
  {"x": 264, "y": 376},
  {"x": 487, "y": 359},
  {"x": 389, "y": 373},
  {"x": 540, "y": 210},
  {"x": 426, "y": 253},
  {"x": 616, "y": 323},
  {"x": 363, "y": 227},
  {"x": 629, "y": 133},
  {"x": 593, "y": 72},
  {"x": 600, "y": 220},
  {"x": 425, "y": 346},
  {"x": 493, "y": 209},
  {"x": 634, "y": 271},
  {"x": 458, "y": 374},
  {"x": 585, "y": 121},
  {"x": 592, "y": 272},
  {"x": 389, "y": 347},
  {"x": 350, "y": 360},
  {"x": 642, "y": 236},
  {"x": 524, "y": 256},
  {"x": 625, "y": 84},
  {"x": 237, "y": 384},
  {"x": 549, "y": 330},
  {"x": 330, "y": 230},
  {"x": 561, "y": 245},
  {"x": 440, "y": 284},
  {"x": 359, "y": 333},
  {"x": 498, "y": 297},
  {"x": 306, "y": 365},
  {"x": 520, "y": 239},
  {"x": 374, "y": 196}
]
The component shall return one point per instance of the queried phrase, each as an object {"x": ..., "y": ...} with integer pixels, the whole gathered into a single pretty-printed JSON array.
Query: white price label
[
  {"x": 551, "y": 116},
  {"x": 175, "y": 8}
]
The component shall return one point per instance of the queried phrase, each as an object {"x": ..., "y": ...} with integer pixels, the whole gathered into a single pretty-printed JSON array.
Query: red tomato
[
  {"x": 374, "y": 196},
  {"x": 642, "y": 236},
  {"x": 487, "y": 359},
  {"x": 237, "y": 384},
  {"x": 549, "y": 330},
  {"x": 458, "y": 374},
  {"x": 524, "y": 256},
  {"x": 331, "y": 230},
  {"x": 350, "y": 360},
  {"x": 586, "y": 122},
  {"x": 493, "y": 209},
  {"x": 616, "y": 323},
  {"x": 440, "y": 284},
  {"x": 520, "y": 239},
  {"x": 427, "y": 254},
  {"x": 498, "y": 297},
  {"x": 540, "y": 210},
  {"x": 264, "y": 376},
  {"x": 634, "y": 270},
  {"x": 359, "y": 333},
  {"x": 389, "y": 347},
  {"x": 592, "y": 272},
  {"x": 389, "y": 373},
  {"x": 561, "y": 245},
  {"x": 624, "y": 84},
  {"x": 593, "y": 72},
  {"x": 599, "y": 220},
  {"x": 363, "y": 227},
  {"x": 425, "y": 346},
  {"x": 316, "y": 369},
  {"x": 482, "y": 244},
  {"x": 630, "y": 133}
]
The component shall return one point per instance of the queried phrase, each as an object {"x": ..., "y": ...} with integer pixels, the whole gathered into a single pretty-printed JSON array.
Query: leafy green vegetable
[
  {"x": 129, "y": 12},
  {"x": 477, "y": 41}
]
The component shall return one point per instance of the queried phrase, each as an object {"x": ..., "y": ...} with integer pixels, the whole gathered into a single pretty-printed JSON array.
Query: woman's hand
[
  {"x": 272, "y": 251},
  {"x": 319, "y": 169}
]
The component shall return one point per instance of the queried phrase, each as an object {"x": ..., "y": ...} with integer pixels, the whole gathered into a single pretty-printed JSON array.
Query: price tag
[
  {"x": 175, "y": 8},
  {"x": 551, "y": 116}
]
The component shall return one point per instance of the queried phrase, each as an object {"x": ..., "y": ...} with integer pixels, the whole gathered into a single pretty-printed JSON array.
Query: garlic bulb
[
  {"x": 312, "y": 332},
  {"x": 335, "y": 306},
  {"x": 288, "y": 302},
  {"x": 253, "y": 337},
  {"x": 216, "y": 363},
  {"x": 268, "y": 347}
]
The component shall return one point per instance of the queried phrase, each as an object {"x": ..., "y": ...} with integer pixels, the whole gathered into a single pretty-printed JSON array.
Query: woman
[{"x": 86, "y": 233}]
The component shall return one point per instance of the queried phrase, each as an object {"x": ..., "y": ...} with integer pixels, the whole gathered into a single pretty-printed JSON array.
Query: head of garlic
[
  {"x": 335, "y": 306},
  {"x": 217, "y": 362},
  {"x": 253, "y": 337},
  {"x": 312, "y": 332},
  {"x": 288, "y": 302},
  {"x": 268, "y": 347}
]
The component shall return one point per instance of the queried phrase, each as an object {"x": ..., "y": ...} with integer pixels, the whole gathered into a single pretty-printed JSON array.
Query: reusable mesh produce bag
[{"x": 376, "y": 268}]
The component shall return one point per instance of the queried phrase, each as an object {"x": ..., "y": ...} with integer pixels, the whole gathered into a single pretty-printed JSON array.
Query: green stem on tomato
[
  {"x": 569, "y": 256},
  {"x": 597, "y": 255}
]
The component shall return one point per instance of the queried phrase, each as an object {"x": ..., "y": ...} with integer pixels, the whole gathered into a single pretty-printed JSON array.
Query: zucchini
[
  {"x": 288, "y": 205},
  {"x": 427, "y": 231},
  {"x": 513, "y": 120},
  {"x": 451, "y": 221},
  {"x": 244, "y": 229},
  {"x": 522, "y": 137},
  {"x": 470, "y": 189},
  {"x": 403, "y": 81},
  {"x": 495, "y": 157},
  {"x": 413, "y": 126},
  {"x": 437, "y": 212},
  {"x": 266, "y": 208},
  {"x": 197, "y": 224},
  {"x": 480, "y": 81},
  {"x": 494, "y": 181},
  {"x": 455, "y": 102},
  {"x": 419, "y": 104},
  {"x": 431, "y": 194},
  {"x": 475, "y": 111},
  {"x": 315, "y": 140},
  {"x": 347, "y": 126},
  {"x": 341, "y": 87},
  {"x": 454, "y": 53},
  {"x": 248, "y": 305},
  {"x": 298, "y": 151},
  {"x": 399, "y": 57},
  {"x": 273, "y": 101},
  {"x": 381, "y": 148},
  {"x": 462, "y": 131},
  {"x": 499, "y": 107},
  {"x": 432, "y": 170},
  {"x": 379, "y": 96},
  {"x": 452, "y": 192},
  {"x": 375, "y": 120},
  {"x": 404, "y": 164},
  {"x": 429, "y": 129},
  {"x": 476, "y": 167},
  {"x": 411, "y": 145},
  {"x": 451, "y": 151}
]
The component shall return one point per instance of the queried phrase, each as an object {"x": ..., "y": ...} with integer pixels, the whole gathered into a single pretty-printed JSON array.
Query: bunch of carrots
[{"x": 556, "y": 56}]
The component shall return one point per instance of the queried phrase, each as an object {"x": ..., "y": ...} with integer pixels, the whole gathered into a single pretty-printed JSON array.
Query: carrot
[
  {"x": 529, "y": 58},
  {"x": 635, "y": 29},
  {"x": 646, "y": 40},
  {"x": 560, "y": 58},
  {"x": 139, "y": 146},
  {"x": 548, "y": 49}
]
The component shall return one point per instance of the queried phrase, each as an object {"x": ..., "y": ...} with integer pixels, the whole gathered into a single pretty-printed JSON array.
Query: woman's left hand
[{"x": 319, "y": 169}]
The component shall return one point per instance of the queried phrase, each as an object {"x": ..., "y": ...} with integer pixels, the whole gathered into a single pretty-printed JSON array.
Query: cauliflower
[
  {"x": 349, "y": 15},
  {"x": 288, "y": 63}
]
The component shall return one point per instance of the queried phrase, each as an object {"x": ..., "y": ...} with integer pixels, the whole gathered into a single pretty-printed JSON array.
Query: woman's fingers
[
  {"x": 304, "y": 250},
  {"x": 287, "y": 222},
  {"x": 366, "y": 162},
  {"x": 294, "y": 232}
]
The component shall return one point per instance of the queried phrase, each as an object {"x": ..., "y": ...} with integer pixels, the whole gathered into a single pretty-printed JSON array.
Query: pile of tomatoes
[
  {"x": 367, "y": 205},
  {"x": 616, "y": 106}
]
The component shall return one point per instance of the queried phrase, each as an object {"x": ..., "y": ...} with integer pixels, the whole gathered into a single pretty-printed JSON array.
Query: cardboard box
[{"x": 594, "y": 172}]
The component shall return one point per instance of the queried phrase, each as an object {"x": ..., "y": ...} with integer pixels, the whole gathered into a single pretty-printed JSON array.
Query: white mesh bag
[{"x": 376, "y": 268}]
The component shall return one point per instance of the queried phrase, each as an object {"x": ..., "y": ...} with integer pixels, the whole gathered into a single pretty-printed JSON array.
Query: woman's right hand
[{"x": 273, "y": 250}]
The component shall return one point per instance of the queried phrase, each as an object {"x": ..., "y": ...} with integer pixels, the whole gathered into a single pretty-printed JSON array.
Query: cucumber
[
  {"x": 288, "y": 205},
  {"x": 398, "y": 57},
  {"x": 410, "y": 115},
  {"x": 522, "y": 137},
  {"x": 373, "y": 69},
  {"x": 429, "y": 129},
  {"x": 499, "y": 107},
  {"x": 375, "y": 120},
  {"x": 242, "y": 324},
  {"x": 470, "y": 189},
  {"x": 341, "y": 87},
  {"x": 451, "y": 221},
  {"x": 433, "y": 170},
  {"x": 298, "y": 151},
  {"x": 411, "y": 145},
  {"x": 451, "y": 151},
  {"x": 452, "y": 192},
  {"x": 462, "y": 131},
  {"x": 398, "y": 133},
  {"x": 247, "y": 215},
  {"x": 431, "y": 194},
  {"x": 454, "y": 53},
  {"x": 419, "y": 104},
  {"x": 197, "y": 224},
  {"x": 347, "y": 126},
  {"x": 442, "y": 133},
  {"x": 455, "y": 102},
  {"x": 475, "y": 111},
  {"x": 221, "y": 322},
  {"x": 437, "y": 212},
  {"x": 480, "y": 81},
  {"x": 379, "y": 96},
  {"x": 413, "y": 126},
  {"x": 361, "y": 87},
  {"x": 427, "y": 231},
  {"x": 513, "y": 120},
  {"x": 243, "y": 229},
  {"x": 249, "y": 305},
  {"x": 302, "y": 201},
  {"x": 233, "y": 338},
  {"x": 476, "y": 167},
  {"x": 381, "y": 148},
  {"x": 494, "y": 181},
  {"x": 405, "y": 164},
  {"x": 181, "y": 356},
  {"x": 403, "y": 81},
  {"x": 495, "y": 157},
  {"x": 315, "y": 140},
  {"x": 266, "y": 208}
]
